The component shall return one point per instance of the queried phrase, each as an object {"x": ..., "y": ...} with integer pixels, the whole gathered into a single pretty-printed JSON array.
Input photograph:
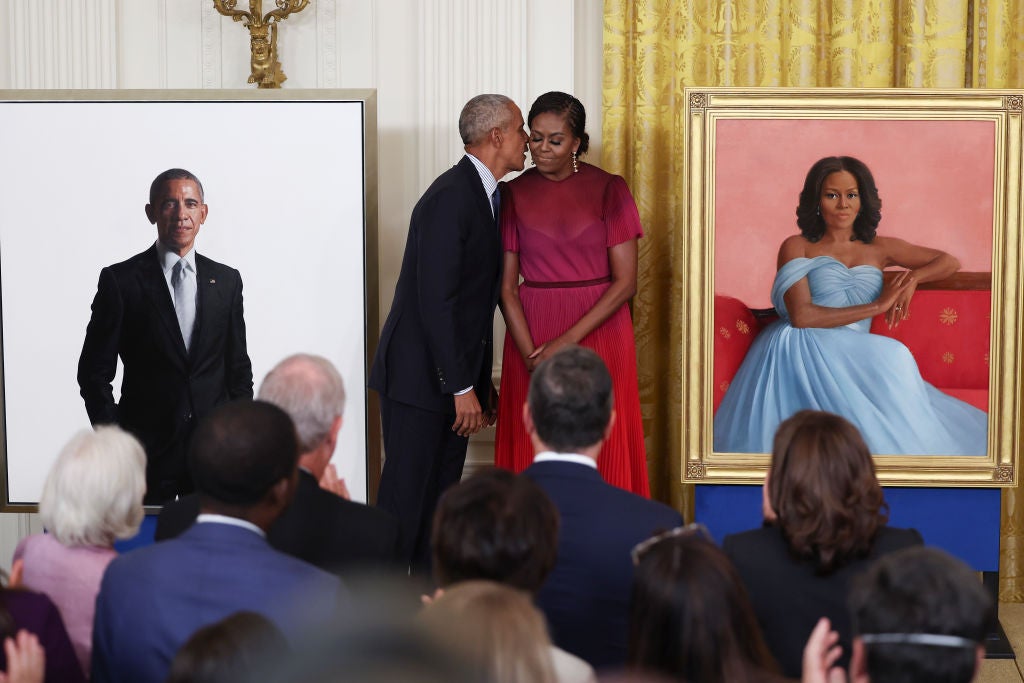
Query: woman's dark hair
[
  {"x": 237, "y": 648},
  {"x": 690, "y": 617},
  {"x": 566, "y": 105},
  {"x": 823, "y": 489},
  {"x": 808, "y": 217}
]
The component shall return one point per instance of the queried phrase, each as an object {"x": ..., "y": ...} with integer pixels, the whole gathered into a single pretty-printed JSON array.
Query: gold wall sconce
[{"x": 266, "y": 70}]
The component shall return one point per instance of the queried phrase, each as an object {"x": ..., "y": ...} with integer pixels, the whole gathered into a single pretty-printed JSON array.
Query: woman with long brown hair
[
  {"x": 825, "y": 521},
  {"x": 690, "y": 617}
]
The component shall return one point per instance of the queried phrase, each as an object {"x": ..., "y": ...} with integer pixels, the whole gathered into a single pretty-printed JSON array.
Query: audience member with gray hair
[
  {"x": 319, "y": 526},
  {"x": 92, "y": 496}
]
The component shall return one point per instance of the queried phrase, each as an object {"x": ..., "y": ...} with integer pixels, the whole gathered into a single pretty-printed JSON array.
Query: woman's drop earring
[{"x": 575, "y": 168}]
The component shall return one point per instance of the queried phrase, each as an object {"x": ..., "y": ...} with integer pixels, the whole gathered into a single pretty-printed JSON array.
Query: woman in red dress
[{"x": 570, "y": 229}]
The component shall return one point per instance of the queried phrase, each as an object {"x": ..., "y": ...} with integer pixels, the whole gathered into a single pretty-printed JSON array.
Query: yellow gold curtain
[{"x": 655, "y": 48}]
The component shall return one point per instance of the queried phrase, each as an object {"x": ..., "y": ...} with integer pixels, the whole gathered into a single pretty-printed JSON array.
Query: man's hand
[
  {"x": 330, "y": 481},
  {"x": 491, "y": 416},
  {"x": 820, "y": 655},
  {"x": 469, "y": 417}
]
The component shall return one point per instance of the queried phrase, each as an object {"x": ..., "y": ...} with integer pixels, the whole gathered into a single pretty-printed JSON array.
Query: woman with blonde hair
[
  {"x": 92, "y": 496},
  {"x": 496, "y": 629},
  {"x": 825, "y": 521}
]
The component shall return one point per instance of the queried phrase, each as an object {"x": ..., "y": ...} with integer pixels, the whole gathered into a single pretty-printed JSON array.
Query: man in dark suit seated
[
  {"x": 174, "y": 318},
  {"x": 568, "y": 415},
  {"x": 320, "y": 527},
  {"x": 243, "y": 457}
]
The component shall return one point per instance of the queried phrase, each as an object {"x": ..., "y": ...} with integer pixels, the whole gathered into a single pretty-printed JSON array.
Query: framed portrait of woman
[{"x": 856, "y": 251}]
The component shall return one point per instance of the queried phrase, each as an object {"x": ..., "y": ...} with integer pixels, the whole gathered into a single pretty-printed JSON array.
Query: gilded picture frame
[{"x": 948, "y": 168}]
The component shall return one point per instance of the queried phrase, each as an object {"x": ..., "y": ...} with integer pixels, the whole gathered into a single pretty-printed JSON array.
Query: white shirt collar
[
  {"x": 551, "y": 456},
  {"x": 168, "y": 258},
  {"x": 233, "y": 521},
  {"x": 486, "y": 177}
]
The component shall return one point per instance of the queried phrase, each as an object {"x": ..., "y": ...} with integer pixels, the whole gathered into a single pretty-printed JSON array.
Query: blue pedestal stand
[{"x": 963, "y": 522}]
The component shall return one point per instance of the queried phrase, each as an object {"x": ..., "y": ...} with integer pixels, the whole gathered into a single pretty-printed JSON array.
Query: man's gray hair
[
  {"x": 93, "y": 493},
  {"x": 482, "y": 114},
  {"x": 311, "y": 391}
]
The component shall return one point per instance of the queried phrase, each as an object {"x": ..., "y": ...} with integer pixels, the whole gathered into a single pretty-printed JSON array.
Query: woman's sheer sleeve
[
  {"x": 620, "y": 213},
  {"x": 509, "y": 225}
]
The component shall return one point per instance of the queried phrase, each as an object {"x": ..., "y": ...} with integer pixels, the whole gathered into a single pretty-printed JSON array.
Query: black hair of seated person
[
  {"x": 570, "y": 399},
  {"x": 240, "y": 450},
  {"x": 690, "y": 617},
  {"x": 237, "y": 648},
  {"x": 921, "y": 590},
  {"x": 808, "y": 216},
  {"x": 498, "y": 526}
]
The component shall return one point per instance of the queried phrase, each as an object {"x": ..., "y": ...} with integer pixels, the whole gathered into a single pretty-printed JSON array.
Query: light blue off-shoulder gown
[{"x": 871, "y": 380}]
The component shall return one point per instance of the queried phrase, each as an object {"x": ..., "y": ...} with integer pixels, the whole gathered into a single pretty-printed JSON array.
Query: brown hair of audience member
[
  {"x": 691, "y": 619},
  {"x": 236, "y": 648},
  {"x": 496, "y": 628},
  {"x": 498, "y": 526},
  {"x": 823, "y": 489}
]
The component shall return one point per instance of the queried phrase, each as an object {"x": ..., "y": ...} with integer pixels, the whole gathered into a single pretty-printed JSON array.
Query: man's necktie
[
  {"x": 496, "y": 203},
  {"x": 183, "y": 282}
]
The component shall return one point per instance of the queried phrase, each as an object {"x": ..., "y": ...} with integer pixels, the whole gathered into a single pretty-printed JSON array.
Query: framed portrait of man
[
  {"x": 290, "y": 203},
  {"x": 930, "y": 378}
]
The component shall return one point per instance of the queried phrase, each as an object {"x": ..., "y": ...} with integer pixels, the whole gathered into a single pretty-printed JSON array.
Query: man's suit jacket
[
  {"x": 438, "y": 336},
  {"x": 152, "y": 599},
  {"x": 318, "y": 527},
  {"x": 586, "y": 596},
  {"x": 789, "y": 596},
  {"x": 164, "y": 389}
]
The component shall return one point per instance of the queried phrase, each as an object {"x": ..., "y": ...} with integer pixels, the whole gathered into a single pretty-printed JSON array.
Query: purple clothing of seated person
[{"x": 37, "y": 614}]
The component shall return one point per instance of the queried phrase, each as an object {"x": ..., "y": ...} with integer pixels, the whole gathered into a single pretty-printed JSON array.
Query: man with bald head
[{"x": 319, "y": 526}]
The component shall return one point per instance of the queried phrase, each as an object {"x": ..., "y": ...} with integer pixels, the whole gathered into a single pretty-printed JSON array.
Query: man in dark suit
[
  {"x": 569, "y": 415},
  {"x": 243, "y": 457},
  {"x": 175, "y": 319},
  {"x": 320, "y": 526},
  {"x": 433, "y": 363}
]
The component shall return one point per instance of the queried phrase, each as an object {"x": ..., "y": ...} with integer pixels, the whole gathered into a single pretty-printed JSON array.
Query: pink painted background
[{"x": 935, "y": 179}]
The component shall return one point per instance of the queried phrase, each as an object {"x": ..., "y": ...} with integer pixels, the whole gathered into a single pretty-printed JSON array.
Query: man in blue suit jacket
[
  {"x": 568, "y": 415},
  {"x": 432, "y": 367},
  {"x": 243, "y": 457}
]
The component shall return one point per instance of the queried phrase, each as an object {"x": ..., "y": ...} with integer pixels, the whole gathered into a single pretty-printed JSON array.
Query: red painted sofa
[{"x": 948, "y": 332}]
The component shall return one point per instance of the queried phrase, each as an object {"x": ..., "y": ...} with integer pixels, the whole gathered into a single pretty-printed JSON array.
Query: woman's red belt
[{"x": 573, "y": 283}]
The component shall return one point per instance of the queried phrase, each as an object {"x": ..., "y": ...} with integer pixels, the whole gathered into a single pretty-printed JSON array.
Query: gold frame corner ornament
[
  {"x": 704, "y": 107},
  {"x": 266, "y": 69}
]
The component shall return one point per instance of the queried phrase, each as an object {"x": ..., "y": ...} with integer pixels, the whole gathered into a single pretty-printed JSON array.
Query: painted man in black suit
[
  {"x": 175, "y": 319},
  {"x": 568, "y": 415},
  {"x": 320, "y": 526},
  {"x": 433, "y": 363}
]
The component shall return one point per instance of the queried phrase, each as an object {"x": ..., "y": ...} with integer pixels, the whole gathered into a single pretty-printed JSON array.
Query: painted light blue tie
[{"x": 183, "y": 282}]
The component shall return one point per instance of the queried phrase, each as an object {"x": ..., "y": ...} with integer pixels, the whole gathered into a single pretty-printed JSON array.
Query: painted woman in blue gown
[{"x": 821, "y": 355}]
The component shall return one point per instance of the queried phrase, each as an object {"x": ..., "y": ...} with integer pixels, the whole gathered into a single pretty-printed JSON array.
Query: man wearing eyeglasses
[{"x": 568, "y": 415}]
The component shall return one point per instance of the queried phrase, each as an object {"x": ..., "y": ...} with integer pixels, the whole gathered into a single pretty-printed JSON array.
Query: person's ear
[
  {"x": 151, "y": 214},
  {"x": 979, "y": 657},
  {"x": 767, "y": 511},
  {"x": 527, "y": 418},
  {"x": 608, "y": 429},
  {"x": 203, "y": 212},
  {"x": 332, "y": 434}
]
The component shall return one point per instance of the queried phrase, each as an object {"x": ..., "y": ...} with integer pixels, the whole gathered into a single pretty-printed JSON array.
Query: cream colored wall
[{"x": 425, "y": 58}]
